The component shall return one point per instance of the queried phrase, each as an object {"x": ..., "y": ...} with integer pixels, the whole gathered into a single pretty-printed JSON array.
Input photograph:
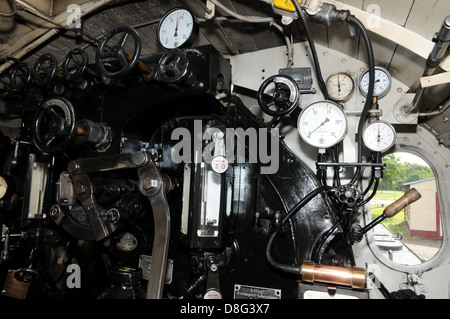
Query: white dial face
[
  {"x": 340, "y": 87},
  {"x": 176, "y": 28},
  {"x": 127, "y": 242},
  {"x": 322, "y": 124},
  {"x": 379, "y": 136},
  {"x": 382, "y": 82},
  {"x": 3, "y": 187}
]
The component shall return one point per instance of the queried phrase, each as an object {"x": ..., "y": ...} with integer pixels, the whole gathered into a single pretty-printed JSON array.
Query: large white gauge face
[
  {"x": 382, "y": 82},
  {"x": 340, "y": 87},
  {"x": 322, "y": 124},
  {"x": 379, "y": 136},
  {"x": 177, "y": 29}
]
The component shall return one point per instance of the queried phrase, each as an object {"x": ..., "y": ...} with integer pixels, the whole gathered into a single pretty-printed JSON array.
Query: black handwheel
[
  {"x": 5, "y": 85},
  {"x": 173, "y": 67},
  {"x": 278, "y": 95},
  {"x": 75, "y": 64},
  {"x": 20, "y": 76},
  {"x": 54, "y": 125},
  {"x": 112, "y": 54},
  {"x": 6, "y": 78},
  {"x": 44, "y": 70}
]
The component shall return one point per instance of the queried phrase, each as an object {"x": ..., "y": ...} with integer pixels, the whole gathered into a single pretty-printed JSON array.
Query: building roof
[{"x": 419, "y": 181}]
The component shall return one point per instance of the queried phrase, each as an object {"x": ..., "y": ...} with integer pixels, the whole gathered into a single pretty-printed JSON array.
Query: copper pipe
[{"x": 353, "y": 277}]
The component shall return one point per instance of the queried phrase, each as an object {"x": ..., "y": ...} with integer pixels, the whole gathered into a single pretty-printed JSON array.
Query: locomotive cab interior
[{"x": 224, "y": 149}]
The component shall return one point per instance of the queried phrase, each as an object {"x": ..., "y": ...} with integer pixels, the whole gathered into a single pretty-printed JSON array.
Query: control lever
[{"x": 390, "y": 211}]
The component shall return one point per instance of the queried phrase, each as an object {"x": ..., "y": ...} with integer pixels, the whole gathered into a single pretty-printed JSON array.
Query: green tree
[{"x": 397, "y": 172}]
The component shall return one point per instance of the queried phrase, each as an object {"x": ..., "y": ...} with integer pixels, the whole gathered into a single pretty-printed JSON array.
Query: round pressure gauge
[
  {"x": 382, "y": 82},
  {"x": 322, "y": 124},
  {"x": 379, "y": 136},
  {"x": 3, "y": 186},
  {"x": 178, "y": 28},
  {"x": 340, "y": 87},
  {"x": 127, "y": 242}
]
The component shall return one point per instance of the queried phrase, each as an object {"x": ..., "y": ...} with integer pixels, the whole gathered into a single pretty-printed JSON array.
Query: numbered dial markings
[
  {"x": 177, "y": 28},
  {"x": 379, "y": 136},
  {"x": 382, "y": 82},
  {"x": 322, "y": 124},
  {"x": 340, "y": 87}
]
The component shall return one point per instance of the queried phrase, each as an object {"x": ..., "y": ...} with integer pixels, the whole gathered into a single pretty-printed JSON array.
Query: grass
[{"x": 388, "y": 195}]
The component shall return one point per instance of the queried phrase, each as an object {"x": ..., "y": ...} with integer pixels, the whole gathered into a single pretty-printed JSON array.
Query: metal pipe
[
  {"x": 352, "y": 277},
  {"x": 433, "y": 61}
]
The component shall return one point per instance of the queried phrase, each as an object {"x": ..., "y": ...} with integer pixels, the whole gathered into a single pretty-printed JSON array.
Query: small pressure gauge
[
  {"x": 383, "y": 82},
  {"x": 127, "y": 242},
  {"x": 3, "y": 187},
  {"x": 340, "y": 87},
  {"x": 178, "y": 28},
  {"x": 322, "y": 124},
  {"x": 379, "y": 136}
]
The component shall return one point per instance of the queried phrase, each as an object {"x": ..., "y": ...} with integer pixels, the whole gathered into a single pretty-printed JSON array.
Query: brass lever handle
[
  {"x": 393, "y": 209},
  {"x": 408, "y": 198}
]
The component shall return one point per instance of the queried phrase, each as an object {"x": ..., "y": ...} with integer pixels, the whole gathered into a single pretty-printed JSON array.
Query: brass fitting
[{"x": 353, "y": 277}]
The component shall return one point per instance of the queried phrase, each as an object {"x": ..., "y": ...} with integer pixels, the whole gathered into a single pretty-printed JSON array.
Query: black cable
[
  {"x": 368, "y": 199},
  {"x": 304, "y": 21},
  {"x": 292, "y": 269},
  {"x": 318, "y": 246},
  {"x": 304, "y": 201},
  {"x": 371, "y": 61},
  {"x": 335, "y": 159},
  {"x": 286, "y": 210}
]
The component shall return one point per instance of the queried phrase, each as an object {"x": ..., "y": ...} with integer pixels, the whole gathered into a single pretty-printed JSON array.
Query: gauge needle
[
  {"x": 339, "y": 85},
  {"x": 378, "y": 136},
  {"x": 321, "y": 124},
  {"x": 178, "y": 23}
]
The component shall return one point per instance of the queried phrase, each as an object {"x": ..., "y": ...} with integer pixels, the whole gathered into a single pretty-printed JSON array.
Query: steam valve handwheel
[
  {"x": 54, "y": 125},
  {"x": 278, "y": 95},
  {"x": 75, "y": 64},
  {"x": 20, "y": 76},
  {"x": 5, "y": 85},
  {"x": 174, "y": 67},
  {"x": 116, "y": 53},
  {"x": 44, "y": 70}
]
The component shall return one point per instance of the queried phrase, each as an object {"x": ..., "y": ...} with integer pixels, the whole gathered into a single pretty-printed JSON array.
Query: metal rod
[
  {"x": 433, "y": 61},
  {"x": 351, "y": 164}
]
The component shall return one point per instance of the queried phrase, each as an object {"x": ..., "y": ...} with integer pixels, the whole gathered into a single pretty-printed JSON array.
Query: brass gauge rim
[{"x": 349, "y": 95}]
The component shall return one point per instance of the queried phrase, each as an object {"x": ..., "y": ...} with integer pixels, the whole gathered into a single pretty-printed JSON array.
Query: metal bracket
[{"x": 210, "y": 10}]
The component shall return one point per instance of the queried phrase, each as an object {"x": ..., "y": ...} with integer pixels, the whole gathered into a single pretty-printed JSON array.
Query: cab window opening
[{"x": 414, "y": 235}]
